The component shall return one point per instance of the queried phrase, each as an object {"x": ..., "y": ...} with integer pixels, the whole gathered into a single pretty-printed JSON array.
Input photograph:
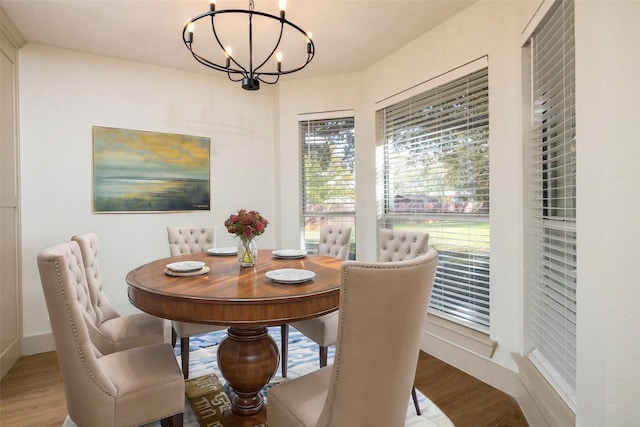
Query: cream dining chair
[
  {"x": 109, "y": 330},
  {"x": 188, "y": 240},
  {"x": 393, "y": 246},
  {"x": 398, "y": 245},
  {"x": 390, "y": 298},
  {"x": 124, "y": 388},
  {"x": 335, "y": 242}
]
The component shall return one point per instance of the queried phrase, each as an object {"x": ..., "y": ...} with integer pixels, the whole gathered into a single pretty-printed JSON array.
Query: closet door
[{"x": 10, "y": 284}]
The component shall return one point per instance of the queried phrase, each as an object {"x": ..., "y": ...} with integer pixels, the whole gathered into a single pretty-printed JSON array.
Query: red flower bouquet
[{"x": 247, "y": 225}]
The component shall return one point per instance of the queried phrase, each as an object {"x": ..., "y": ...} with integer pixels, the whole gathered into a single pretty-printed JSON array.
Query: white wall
[
  {"x": 608, "y": 149},
  {"x": 63, "y": 94}
]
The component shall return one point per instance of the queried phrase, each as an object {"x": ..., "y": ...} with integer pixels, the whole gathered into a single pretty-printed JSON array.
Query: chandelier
[{"x": 266, "y": 33}]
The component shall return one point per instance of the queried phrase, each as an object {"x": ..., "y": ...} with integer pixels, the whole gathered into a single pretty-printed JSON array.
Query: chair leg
[
  {"x": 174, "y": 338},
  {"x": 415, "y": 400},
  {"x": 284, "y": 348},
  {"x": 172, "y": 421},
  {"x": 324, "y": 355},
  {"x": 184, "y": 356}
]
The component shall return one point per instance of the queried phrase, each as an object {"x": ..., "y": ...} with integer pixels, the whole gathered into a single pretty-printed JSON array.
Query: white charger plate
[
  {"x": 289, "y": 253},
  {"x": 290, "y": 275},
  {"x": 203, "y": 270},
  {"x": 223, "y": 251},
  {"x": 185, "y": 266}
]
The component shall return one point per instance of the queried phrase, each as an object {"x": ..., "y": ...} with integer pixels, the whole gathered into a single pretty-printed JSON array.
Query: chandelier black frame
[{"x": 249, "y": 75}]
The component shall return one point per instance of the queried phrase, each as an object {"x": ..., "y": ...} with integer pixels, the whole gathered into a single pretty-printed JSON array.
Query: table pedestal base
[{"x": 248, "y": 358}]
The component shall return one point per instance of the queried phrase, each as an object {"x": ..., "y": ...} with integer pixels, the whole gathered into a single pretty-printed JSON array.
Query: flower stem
[{"x": 247, "y": 256}]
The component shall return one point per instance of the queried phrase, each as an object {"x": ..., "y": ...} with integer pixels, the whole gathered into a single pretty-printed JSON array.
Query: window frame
[
  {"x": 550, "y": 297},
  {"x": 342, "y": 217},
  {"x": 387, "y": 218}
]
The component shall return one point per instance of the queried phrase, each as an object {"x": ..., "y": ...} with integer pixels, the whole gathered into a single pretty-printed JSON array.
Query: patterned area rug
[
  {"x": 207, "y": 399},
  {"x": 206, "y": 395}
]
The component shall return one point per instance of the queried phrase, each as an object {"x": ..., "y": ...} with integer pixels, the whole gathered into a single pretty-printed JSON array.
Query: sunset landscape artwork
[{"x": 142, "y": 171}]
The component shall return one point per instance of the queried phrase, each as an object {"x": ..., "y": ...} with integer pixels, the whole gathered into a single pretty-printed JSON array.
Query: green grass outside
[
  {"x": 449, "y": 235},
  {"x": 444, "y": 235}
]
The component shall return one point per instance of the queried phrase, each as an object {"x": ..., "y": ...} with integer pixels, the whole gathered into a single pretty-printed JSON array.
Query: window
[
  {"x": 328, "y": 177},
  {"x": 434, "y": 178},
  {"x": 550, "y": 195}
]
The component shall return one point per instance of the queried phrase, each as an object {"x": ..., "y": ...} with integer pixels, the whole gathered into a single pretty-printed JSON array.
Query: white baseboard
[
  {"x": 9, "y": 357},
  {"x": 35, "y": 344},
  {"x": 43, "y": 343},
  {"x": 471, "y": 363},
  {"x": 540, "y": 403}
]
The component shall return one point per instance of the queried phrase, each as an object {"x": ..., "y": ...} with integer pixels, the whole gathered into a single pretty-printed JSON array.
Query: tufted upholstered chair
[
  {"x": 400, "y": 245},
  {"x": 339, "y": 395},
  {"x": 188, "y": 240},
  {"x": 110, "y": 331},
  {"x": 335, "y": 242},
  {"x": 124, "y": 388}
]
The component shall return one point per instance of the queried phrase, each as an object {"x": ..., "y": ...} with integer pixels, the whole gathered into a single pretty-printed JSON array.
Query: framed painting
[{"x": 141, "y": 171}]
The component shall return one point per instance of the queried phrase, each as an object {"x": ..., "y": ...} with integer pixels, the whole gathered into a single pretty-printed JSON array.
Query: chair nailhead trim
[{"x": 74, "y": 330}]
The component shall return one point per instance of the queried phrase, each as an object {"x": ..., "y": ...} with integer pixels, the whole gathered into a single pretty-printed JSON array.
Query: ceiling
[{"x": 349, "y": 35}]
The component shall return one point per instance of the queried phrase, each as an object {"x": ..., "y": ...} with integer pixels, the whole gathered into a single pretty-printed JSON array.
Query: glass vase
[{"x": 247, "y": 252}]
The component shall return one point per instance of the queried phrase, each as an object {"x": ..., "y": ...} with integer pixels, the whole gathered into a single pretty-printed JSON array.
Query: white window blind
[
  {"x": 550, "y": 155},
  {"x": 434, "y": 178},
  {"x": 328, "y": 177}
]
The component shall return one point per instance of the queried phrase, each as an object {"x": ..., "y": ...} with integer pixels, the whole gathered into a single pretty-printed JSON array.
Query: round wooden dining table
[{"x": 246, "y": 300}]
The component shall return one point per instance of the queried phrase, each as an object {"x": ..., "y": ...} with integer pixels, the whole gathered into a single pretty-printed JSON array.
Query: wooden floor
[
  {"x": 31, "y": 395},
  {"x": 464, "y": 399}
]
